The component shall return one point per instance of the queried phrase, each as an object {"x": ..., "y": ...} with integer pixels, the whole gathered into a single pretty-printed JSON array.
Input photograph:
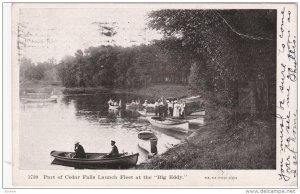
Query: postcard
[{"x": 155, "y": 95}]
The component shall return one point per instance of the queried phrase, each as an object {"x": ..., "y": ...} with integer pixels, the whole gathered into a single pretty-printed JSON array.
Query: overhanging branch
[{"x": 240, "y": 34}]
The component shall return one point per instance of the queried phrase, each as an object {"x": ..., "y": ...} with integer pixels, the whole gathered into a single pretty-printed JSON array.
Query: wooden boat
[
  {"x": 146, "y": 134},
  {"x": 149, "y": 105},
  {"x": 95, "y": 159},
  {"x": 198, "y": 120},
  {"x": 144, "y": 113},
  {"x": 39, "y": 100},
  {"x": 176, "y": 125},
  {"x": 199, "y": 113},
  {"x": 147, "y": 141},
  {"x": 149, "y": 145},
  {"x": 114, "y": 106},
  {"x": 195, "y": 120},
  {"x": 132, "y": 106},
  {"x": 192, "y": 99}
]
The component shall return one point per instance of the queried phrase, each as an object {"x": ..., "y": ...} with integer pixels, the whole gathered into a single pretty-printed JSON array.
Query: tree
[
  {"x": 194, "y": 78},
  {"x": 225, "y": 40}
]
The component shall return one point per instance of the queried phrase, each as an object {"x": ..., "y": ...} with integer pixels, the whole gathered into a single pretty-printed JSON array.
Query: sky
[{"x": 54, "y": 33}]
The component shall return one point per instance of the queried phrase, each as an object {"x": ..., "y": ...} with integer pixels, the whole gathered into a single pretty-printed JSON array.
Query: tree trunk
[{"x": 253, "y": 89}]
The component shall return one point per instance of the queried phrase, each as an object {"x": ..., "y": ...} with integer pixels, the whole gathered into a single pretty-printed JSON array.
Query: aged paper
[{"x": 41, "y": 31}]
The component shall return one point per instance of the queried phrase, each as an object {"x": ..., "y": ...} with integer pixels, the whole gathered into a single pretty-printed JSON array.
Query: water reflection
[{"x": 56, "y": 126}]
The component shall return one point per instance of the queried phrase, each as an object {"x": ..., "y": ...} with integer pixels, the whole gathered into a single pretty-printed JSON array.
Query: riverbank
[{"x": 251, "y": 144}]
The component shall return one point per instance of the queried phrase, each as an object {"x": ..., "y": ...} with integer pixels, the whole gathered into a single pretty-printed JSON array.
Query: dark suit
[
  {"x": 114, "y": 152},
  {"x": 79, "y": 152}
]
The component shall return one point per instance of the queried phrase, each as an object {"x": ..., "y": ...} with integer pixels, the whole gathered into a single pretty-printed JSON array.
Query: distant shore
[{"x": 153, "y": 91}]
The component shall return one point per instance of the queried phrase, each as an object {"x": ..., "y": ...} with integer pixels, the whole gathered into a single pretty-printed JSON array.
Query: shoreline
[
  {"x": 248, "y": 144},
  {"x": 152, "y": 91}
]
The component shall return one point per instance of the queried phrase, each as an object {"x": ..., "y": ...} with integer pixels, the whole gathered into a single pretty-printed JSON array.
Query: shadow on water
[
  {"x": 85, "y": 118},
  {"x": 95, "y": 107}
]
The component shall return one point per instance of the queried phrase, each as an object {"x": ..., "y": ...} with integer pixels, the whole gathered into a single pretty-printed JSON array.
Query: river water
[{"x": 85, "y": 118}]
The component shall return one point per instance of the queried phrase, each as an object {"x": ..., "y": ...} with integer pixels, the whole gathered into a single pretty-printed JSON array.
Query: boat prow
[
  {"x": 114, "y": 107},
  {"x": 180, "y": 126},
  {"x": 146, "y": 135}
]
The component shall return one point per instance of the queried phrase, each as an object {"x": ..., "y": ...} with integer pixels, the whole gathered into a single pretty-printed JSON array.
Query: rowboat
[
  {"x": 114, "y": 106},
  {"x": 149, "y": 105},
  {"x": 199, "y": 113},
  {"x": 147, "y": 141},
  {"x": 195, "y": 120},
  {"x": 198, "y": 120},
  {"x": 146, "y": 134},
  {"x": 176, "y": 125},
  {"x": 149, "y": 145},
  {"x": 39, "y": 100},
  {"x": 132, "y": 106},
  {"x": 95, "y": 159},
  {"x": 191, "y": 99},
  {"x": 144, "y": 113}
]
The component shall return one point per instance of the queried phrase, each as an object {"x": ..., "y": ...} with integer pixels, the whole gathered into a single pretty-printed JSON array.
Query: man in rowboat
[
  {"x": 79, "y": 151},
  {"x": 114, "y": 151}
]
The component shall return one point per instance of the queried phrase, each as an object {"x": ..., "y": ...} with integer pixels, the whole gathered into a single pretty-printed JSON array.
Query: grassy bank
[{"x": 251, "y": 144}]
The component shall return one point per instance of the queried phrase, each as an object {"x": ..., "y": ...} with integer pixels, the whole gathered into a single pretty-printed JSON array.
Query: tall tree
[{"x": 215, "y": 37}]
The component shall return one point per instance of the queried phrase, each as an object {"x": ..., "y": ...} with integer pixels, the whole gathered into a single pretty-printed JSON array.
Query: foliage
[
  {"x": 121, "y": 67},
  {"x": 231, "y": 47},
  {"x": 36, "y": 72}
]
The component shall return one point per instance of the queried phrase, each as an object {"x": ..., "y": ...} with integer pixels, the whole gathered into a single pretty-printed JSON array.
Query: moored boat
[
  {"x": 199, "y": 113},
  {"x": 149, "y": 145},
  {"x": 114, "y": 106},
  {"x": 199, "y": 120},
  {"x": 146, "y": 134},
  {"x": 95, "y": 159},
  {"x": 144, "y": 113},
  {"x": 39, "y": 100},
  {"x": 132, "y": 106},
  {"x": 191, "y": 99},
  {"x": 176, "y": 125}
]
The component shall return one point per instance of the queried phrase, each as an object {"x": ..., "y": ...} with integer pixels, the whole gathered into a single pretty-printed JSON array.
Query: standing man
[{"x": 156, "y": 108}]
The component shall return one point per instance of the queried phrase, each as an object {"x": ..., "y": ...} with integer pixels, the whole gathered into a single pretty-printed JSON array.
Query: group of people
[
  {"x": 114, "y": 102},
  {"x": 135, "y": 103},
  {"x": 167, "y": 108},
  {"x": 80, "y": 153}
]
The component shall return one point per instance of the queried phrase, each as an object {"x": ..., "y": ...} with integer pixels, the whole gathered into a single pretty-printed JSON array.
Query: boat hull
[
  {"x": 145, "y": 114},
  {"x": 145, "y": 145},
  {"x": 181, "y": 126},
  {"x": 200, "y": 113},
  {"x": 132, "y": 106},
  {"x": 146, "y": 135},
  {"x": 114, "y": 107},
  {"x": 197, "y": 120},
  {"x": 39, "y": 100},
  {"x": 95, "y": 159}
]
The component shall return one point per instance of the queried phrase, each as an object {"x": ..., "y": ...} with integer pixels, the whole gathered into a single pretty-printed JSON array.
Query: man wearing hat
[
  {"x": 79, "y": 151},
  {"x": 114, "y": 150}
]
